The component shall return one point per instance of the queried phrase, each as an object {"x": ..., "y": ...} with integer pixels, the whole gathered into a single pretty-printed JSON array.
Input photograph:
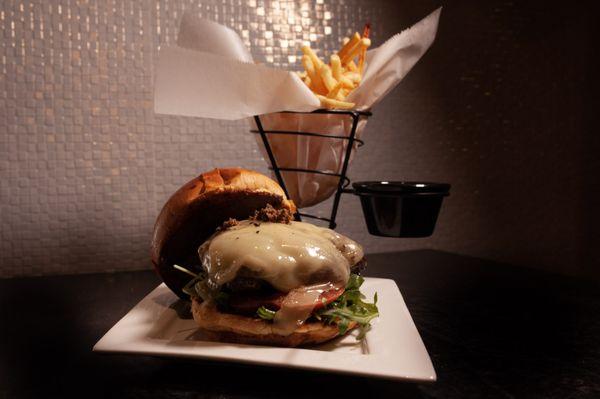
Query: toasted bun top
[{"x": 198, "y": 208}]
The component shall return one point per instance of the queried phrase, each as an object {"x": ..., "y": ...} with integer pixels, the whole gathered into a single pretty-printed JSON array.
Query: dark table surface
[{"x": 492, "y": 330}]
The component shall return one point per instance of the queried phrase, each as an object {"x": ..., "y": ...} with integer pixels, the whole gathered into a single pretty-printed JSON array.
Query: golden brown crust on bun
[
  {"x": 201, "y": 205},
  {"x": 234, "y": 328}
]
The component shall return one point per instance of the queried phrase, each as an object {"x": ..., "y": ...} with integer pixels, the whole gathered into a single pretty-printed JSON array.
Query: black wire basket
[
  {"x": 390, "y": 208},
  {"x": 343, "y": 182}
]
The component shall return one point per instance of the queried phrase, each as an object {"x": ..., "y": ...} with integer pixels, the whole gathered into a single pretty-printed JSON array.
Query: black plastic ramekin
[{"x": 401, "y": 209}]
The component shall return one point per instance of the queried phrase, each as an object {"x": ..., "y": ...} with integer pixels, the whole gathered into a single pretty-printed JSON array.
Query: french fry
[
  {"x": 352, "y": 66},
  {"x": 327, "y": 77},
  {"x": 355, "y": 50},
  {"x": 331, "y": 104},
  {"x": 315, "y": 78},
  {"x": 353, "y": 76},
  {"x": 308, "y": 67},
  {"x": 366, "y": 30},
  {"x": 351, "y": 53},
  {"x": 307, "y": 81},
  {"x": 351, "y": 43},
  {"x": 336, "y": 66},
  {"x": 336, "y": 90},
  {"x": 361, "y": 60},
  {"x": 313, "y": 57},
  {"x": 363, "y": 53},
  {"x": 345, "y": 41},
  {"x": 346, "y": 83}
]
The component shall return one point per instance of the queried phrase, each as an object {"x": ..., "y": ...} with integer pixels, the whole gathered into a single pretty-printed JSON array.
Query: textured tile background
[{"x": 498, "y": 107}]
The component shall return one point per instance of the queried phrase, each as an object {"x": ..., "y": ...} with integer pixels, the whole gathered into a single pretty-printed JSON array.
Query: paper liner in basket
[
  {"x": 210, "y": 74},
  {"x": 309, "y": 152}
]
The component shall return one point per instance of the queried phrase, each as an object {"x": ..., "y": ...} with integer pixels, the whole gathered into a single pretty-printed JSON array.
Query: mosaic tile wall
[{"x": 85, "y": 164}]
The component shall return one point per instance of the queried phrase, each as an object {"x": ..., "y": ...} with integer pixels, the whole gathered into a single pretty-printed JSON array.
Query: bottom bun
[{"x": 247, "y": 330}]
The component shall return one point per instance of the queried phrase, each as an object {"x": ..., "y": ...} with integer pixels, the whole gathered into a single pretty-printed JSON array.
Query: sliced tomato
[
  {"x": 328, "y": 296},
  {"x": 248, "y": 303}
]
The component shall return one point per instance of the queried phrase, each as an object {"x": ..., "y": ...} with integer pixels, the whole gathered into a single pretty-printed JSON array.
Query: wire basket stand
[{"x": 343, "y": 182}]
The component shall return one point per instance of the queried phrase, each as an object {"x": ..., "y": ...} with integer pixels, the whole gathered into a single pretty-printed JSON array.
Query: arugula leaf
[
  {"x": 354, "y": 282},
  {"x": 265, "y": 314},
  {"x": 343, "y": 325},
  {"x": 351, "y": 307}
]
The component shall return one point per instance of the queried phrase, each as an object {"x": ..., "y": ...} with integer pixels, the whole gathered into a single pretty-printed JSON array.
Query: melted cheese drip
[
  {"x": 287, "y": 256},
  {"x": 297, "y": 307}
]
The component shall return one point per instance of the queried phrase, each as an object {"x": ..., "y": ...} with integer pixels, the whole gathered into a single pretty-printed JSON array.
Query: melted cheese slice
[{"x": 287, "y": 256}]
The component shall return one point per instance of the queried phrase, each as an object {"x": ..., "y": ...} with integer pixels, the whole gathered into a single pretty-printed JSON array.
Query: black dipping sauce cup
[{"x": 401, "y": 209}]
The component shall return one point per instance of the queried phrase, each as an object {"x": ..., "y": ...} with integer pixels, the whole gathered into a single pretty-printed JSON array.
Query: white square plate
[{"x": 392, "y": 349}]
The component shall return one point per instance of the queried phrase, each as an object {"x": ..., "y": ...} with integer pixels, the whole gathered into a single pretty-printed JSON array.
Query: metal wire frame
[{"x": 344, "y": 181}]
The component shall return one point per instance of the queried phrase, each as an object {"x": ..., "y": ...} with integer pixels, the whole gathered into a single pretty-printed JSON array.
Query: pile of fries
[{"x": 333, "y": 82}]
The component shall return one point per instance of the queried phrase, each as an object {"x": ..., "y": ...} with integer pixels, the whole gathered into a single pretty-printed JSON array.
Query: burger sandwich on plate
[{"x": 227, "y": 241}]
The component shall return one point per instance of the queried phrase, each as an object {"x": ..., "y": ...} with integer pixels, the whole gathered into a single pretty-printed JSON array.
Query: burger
[{"x": 227, "y": 242}]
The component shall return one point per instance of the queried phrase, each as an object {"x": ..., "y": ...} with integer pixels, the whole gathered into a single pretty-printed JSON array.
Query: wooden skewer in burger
[{"x": 227, "y": 242}]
